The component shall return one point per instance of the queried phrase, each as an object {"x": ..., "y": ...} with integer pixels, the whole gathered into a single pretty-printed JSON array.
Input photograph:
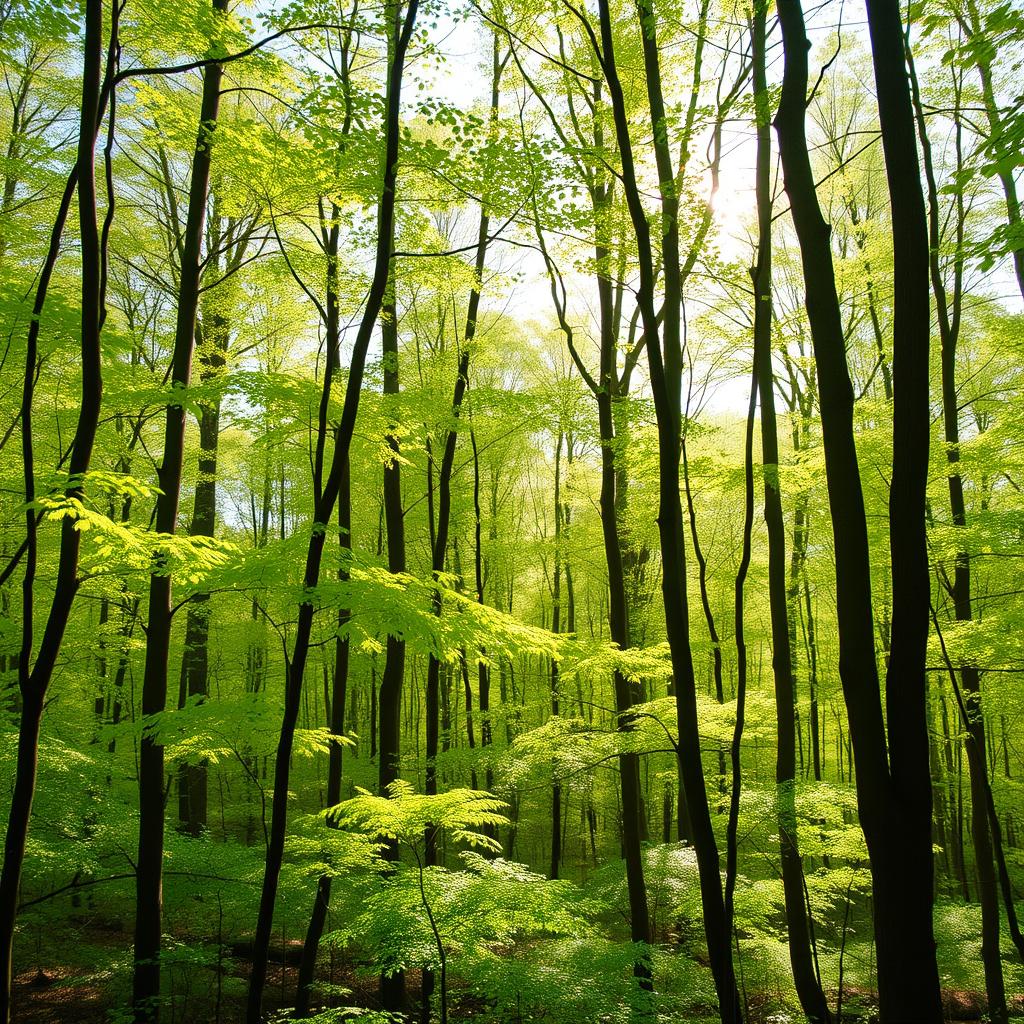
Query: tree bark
[
  {"x": 195, "y": 661},
  {"x": 34, "y": 680},
  {"x": 663, "y": 343},
  {"x": 326, "y": 496},
  {"x": 805, "y": 980},
  {"x": 556, "y": 623},
  {"x": 339, "y": 687},
  {"x": 608, "y": 390},
  {"x": 440, "y": 529},
  {"x": 149, "y": 862},
  {"x": 392, "y": 986},
  {"x": 907, "y": 971},
  {"x": 980, "y": 53},
  {"x": 483, "y": 668},
  {"x": 894, "y": 799},
  {"x": 949, "y": 319},
  {"x": 626, "y": 693}
]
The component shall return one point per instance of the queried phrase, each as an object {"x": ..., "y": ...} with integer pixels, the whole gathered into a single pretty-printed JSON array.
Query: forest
[{"x": 510, "y": 511}]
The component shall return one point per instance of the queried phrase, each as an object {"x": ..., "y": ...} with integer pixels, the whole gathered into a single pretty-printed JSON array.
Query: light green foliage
[
  {"x": 403, "y": 815},
  {"x": 297, "y": 160}
]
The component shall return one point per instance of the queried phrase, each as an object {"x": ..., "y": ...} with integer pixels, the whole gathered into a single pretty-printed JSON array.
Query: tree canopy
[{"x": 511, "y": 510}]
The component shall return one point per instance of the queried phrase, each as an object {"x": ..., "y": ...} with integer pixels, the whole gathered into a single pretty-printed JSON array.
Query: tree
[
  {"x": 34, "y": 677},
  {"x": 402, "y": 573},
  {"x": 326, "y": 494},
  {"x": 808, "y": 986},
  {"x": 664, "y": 356},
  {"x": 893, "y": 787},
  {"x": 149, "y": 864}
]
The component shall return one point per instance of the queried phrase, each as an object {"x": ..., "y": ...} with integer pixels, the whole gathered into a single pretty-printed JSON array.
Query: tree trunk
[
  {"x": 732, "y": 824},
  {"x": 392, "y": 986},
  {"x": 336, "y": 721},
  {"x": 980, "y": 53},
  {"x": 335, "y": 707},
  {"x": 326, "y": 495},
  {"x": 666, "y": 376},
  {"x": 34, "y": 680},
  {"x": 895, "y": 808},
  {"x": 149, "y": 863},
  {"x": 709, "y": 616},
  {"x": 483, "y": 668},
  {"x": 195, "y": 661},
  {"x": 556, "y": 622},
  {"x": 949, "y": 318},
  {"x": 440, "y": 529},
  {"x": 908, "y": 978},
  {"x": 805, "y": 980},
  {"x": 608, "y": 390},
  {"x": 626, "y": 693}
]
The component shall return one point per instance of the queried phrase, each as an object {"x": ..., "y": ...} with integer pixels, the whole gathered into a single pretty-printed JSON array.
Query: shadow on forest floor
[{"x": 56, "y": 994}]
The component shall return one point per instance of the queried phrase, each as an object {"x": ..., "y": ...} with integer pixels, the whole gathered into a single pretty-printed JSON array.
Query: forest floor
[
  {"x": 57, "y": 994},
  {"x": 44, "y": 996}
]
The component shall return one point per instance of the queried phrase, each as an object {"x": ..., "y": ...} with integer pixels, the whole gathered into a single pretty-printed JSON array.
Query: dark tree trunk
[
  {"x": 626, "y": 693},
  {"x": 335, "y": 706},
  {"x": 556, "y": 622},
  {"x": 709, "y": 616},
  {"x": 894, "y": 801},
  {"x": 149, "y": 863},
  {"x": 390, "y": 712},
  {"x": 608, "y": 390},
  {"x": 742, "y": 667},
  {"x": 665, "y": 357},
  {"x": 1001, "y": 139},
  {"x": 336, "y": 721},
  {"x": 195, "y": 661},
  {"x": 441, "y": 528},
  {"x": 949, "y": 318},
  {"x": 392, "y": 986},
  {"x": 808, "y": 988},
  {"x": 326, "y": 493},
  {"x": 908, "y": 978},
  {"x": 483, "y": 669},
  {"x": 34, "y": 680}
]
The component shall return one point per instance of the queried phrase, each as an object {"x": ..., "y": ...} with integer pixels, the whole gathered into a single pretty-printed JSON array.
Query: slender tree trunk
[
  {"x": 326, "y": 494},
  {"x": 951, "y": 766},
  {"x": 626, "y": 693},
  {"x": 322, "y": 900},
  {"x": 894, "y": 800},
  {"x": 483, "y": 668},
  {"x": 815, "y": 723},
  {"x": 392, "y": 986},
  {"x": 149, "y": 863},
  {"x": 195, "y": 661},
  {"x": 742, "y": 666},
  {"x": 556, "y": 622},
  {"x": 808, "y": 988},
  {"x": 339, "y": 688},
  {"x": 709, "y": 616},
  {"x": 440, "y": 529},
  {"x": 663, "y": 341},
  {"x": 608, "y": 389},
  {"x": 871, "y": 289},
  {"x": 949, "y": 318},
  {"x": 34, "y": 680},
  {"x": 1001, "y": 144},
  {"x": 798, "y": 553}
]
